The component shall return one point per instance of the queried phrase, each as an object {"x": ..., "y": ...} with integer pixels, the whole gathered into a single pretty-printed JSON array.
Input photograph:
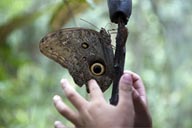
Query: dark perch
[
  {"x": 119, "y": 59},
  {"x": 120, "y": 11}
]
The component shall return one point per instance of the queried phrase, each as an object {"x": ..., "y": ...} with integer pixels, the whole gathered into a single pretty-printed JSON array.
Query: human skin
[{"x": 131, "y": 110}]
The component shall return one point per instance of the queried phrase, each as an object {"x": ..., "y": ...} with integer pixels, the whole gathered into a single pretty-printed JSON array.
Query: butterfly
[{"x": 86, "y": 53}]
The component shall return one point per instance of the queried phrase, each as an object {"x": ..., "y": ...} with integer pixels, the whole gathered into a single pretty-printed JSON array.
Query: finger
[
  {"x": 95, "y": 91},
  {"x": 139, "y": 88},
  {"x": 143, "y": 117},
  {"x": 137, "y": 82},
  {"x": 136, "y": 97},
  {"x": 140, "y": 102},
  {"x": 58, "y": 124},
  {"x": 125, "y": 92},
  {"x": 64, "y": 110},
  {"x": 77, "y": 100}
]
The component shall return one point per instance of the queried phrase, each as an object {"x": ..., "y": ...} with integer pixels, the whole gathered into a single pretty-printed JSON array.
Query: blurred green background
[{"x": 159, "y": 48}]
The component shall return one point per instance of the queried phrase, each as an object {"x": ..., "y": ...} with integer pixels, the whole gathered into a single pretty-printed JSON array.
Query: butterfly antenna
[{"x": 89, "y": 23}]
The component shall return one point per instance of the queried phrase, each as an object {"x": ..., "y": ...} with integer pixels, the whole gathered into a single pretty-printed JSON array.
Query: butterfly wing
[{"x": 87, "y": 54}]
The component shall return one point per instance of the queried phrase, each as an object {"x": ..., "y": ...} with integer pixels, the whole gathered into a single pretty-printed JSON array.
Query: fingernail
[
  {"x": 57, "y": 122},
  {"x": 127, "y": 79},
  {"x": 56, "y": 97},
  {"x": 63, "y": 82},
  {"x": 127, "y": 82},
  {"x": 91, "y": 80}
]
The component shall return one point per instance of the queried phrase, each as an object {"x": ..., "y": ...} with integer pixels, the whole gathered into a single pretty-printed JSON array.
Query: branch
[{"x": 119, "y": 61}]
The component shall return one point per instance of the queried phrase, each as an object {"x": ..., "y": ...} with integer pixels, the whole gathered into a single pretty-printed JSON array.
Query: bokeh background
[{"x": 159, "y": 49}]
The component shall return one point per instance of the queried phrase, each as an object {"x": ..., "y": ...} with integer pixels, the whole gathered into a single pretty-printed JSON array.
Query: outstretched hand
[{"x": 131, "y": 110}]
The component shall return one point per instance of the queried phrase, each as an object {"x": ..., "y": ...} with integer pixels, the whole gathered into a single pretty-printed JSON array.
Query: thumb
[{"x": 125, "y": 91}]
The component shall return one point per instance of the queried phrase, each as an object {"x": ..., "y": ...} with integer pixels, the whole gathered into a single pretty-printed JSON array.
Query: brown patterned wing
[{"x": 87, "y": 54}]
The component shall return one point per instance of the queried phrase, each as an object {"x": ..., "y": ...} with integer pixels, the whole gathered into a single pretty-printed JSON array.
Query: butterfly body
[{"x": 87, "y": 54}]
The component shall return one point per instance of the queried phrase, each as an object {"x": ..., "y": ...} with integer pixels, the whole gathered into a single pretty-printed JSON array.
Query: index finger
[
  {"x": 95, "y": 91},
  {"x": 75, "y": 98}
]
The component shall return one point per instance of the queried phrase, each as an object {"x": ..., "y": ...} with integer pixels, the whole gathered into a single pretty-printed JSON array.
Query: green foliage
[{"x": 158, "y": 49}]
